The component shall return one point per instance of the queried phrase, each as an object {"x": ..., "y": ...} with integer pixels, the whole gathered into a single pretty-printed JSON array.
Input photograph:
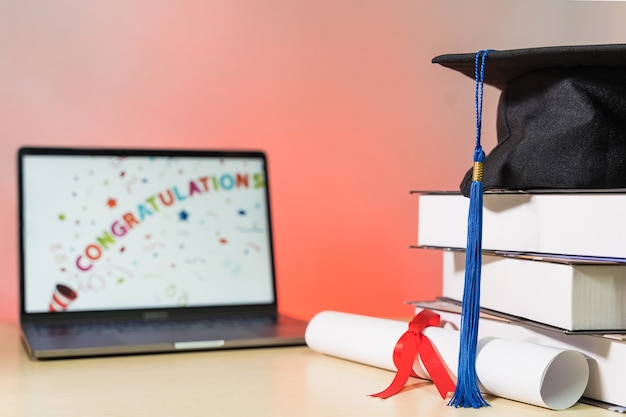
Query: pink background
[{"x": 341, "y": 95}]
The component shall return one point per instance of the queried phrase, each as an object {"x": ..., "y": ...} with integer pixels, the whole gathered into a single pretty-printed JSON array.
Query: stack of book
[{"x": 554, "y": 272}]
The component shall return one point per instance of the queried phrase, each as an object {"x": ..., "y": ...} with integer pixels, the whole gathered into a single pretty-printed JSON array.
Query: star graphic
[
  {"x": 111, "y": 202},
  {"x": 183, "y": 215}
]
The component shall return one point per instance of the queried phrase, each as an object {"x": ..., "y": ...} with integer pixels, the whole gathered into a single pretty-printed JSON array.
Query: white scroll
[{"x": 541, "y": 375}]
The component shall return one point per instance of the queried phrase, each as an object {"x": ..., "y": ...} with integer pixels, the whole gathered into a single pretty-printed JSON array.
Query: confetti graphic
[
  {"x": 231, "y": 266},
  {"x": 196, "y": 260},
  {"x": 254, "y": 246},
  {"x": 117, "y": 269},
  {"x": 251, "y": 229},
  {"x": 130, "y": 184},
  {"x": 117, "y": 162},
  {"x": 91, "y": 283},
  {"x": 153, "y": 246}
]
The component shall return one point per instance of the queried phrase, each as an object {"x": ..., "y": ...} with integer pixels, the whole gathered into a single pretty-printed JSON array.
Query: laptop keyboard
[{"x": 133, "y": 327}]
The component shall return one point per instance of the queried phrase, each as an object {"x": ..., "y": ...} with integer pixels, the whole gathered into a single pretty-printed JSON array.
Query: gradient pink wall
[{"x": 341, "y": 95}]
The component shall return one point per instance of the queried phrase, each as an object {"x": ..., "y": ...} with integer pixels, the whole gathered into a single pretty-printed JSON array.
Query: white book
[
  {"x": 606, "y": 356},
  {"x": 585, "y": 223},
  {"x": 590, "y": 297}
]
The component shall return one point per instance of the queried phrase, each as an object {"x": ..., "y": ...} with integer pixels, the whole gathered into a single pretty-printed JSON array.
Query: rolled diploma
[
  {"x": 522, "y": 371},
  {"x": 362, "y": 339}
]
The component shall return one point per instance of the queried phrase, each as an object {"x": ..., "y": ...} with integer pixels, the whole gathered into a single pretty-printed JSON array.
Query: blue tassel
[{"x": 467, "y": 393}]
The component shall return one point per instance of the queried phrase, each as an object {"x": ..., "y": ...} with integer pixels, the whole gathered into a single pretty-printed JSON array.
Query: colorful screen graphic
[{"x": 104, "y": 232}]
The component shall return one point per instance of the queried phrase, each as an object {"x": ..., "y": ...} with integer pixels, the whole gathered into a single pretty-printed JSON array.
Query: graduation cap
[
  {"x": 561, "y": 125},
  {"x": 561, "y": 121}
]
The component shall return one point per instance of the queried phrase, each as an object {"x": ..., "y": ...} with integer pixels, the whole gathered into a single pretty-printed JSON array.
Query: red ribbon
[{"x": 411, "y": 344}]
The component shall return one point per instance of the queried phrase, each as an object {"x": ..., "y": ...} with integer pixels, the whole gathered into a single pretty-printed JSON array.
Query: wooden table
[{"x": 290, "y": 382}]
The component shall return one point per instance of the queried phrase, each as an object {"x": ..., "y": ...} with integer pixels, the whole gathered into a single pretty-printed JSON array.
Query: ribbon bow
[{"x": 411, "y": 344}]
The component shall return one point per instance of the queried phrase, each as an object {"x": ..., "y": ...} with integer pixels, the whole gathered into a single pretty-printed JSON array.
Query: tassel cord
[{"x": 467, "y": 393}]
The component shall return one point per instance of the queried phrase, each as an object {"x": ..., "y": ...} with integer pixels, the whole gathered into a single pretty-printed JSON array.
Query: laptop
[{"x": 126, "y": 251}]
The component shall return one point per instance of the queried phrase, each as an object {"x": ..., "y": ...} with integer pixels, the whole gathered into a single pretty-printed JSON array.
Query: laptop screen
[{"x": 124, "y": 230}]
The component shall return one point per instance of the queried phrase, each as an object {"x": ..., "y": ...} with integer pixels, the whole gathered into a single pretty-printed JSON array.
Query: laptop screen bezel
[{"x": 270, "y": 309}]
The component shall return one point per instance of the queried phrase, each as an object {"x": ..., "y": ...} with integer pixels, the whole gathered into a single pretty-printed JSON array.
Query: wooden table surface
[{"x": 291, "y": 382}]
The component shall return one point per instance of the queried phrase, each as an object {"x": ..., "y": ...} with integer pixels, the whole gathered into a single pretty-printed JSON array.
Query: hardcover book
[
  {"x": 590, "y": 224},
  {"x": 574, "y": 297}
]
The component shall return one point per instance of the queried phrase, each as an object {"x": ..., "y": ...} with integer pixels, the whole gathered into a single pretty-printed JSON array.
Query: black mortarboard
[{"x": 561, "y": 117}]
